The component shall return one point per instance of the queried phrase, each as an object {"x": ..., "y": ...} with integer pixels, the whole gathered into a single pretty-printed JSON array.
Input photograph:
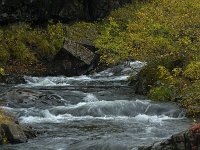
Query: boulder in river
[{"x": 12, "y": 132}]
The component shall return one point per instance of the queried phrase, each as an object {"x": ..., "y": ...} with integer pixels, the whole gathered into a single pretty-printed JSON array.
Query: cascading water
[{"x": 95, "y": 112}]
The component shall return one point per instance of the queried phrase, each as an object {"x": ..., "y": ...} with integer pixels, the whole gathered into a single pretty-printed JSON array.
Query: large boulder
[
  {"x": 11, "y": 132},
  {"x": 74, "y": 59},
  {"x": 14, "y": 133},
  {"x": 63, "y": 10}
]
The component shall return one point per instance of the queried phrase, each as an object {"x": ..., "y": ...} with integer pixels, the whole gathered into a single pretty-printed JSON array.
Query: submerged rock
[{"x": 24, "y": 98}]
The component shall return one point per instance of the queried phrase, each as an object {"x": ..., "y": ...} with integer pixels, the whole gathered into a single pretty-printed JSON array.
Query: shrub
[
  {"x": 160, "y": 28},
  {"x": 192, "y": 71},
  {"x": 191, "y": 98},
  {"x": 161, "y": 93},
  {"x": 83, "y": 32}
]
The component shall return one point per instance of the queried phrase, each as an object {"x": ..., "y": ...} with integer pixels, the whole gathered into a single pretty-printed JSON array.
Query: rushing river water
[{"x": 100, "y": 112}]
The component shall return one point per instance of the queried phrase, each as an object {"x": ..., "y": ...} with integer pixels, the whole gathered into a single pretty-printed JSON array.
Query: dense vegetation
[
  {"x": 23, "y": 43},
  {"x": 163, "y": 33}
]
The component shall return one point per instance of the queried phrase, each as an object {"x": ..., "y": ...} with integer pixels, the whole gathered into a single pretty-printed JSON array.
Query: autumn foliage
[{"x": 166, "y": 35}]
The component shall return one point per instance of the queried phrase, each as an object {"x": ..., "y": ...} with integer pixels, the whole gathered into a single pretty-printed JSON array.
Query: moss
[{"x": 5, "y": 118}]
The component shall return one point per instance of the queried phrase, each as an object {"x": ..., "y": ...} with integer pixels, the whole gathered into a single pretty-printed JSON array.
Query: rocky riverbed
[{"x": 97, "y": 112}]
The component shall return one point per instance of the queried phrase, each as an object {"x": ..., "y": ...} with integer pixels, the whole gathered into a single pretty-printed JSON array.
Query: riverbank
[
  {"x": 149, "y": 32},
  {"x": 172, "y": 67}
]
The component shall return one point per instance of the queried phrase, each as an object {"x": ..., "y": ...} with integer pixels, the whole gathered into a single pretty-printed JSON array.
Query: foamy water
[{"x": 99, "y": 112}]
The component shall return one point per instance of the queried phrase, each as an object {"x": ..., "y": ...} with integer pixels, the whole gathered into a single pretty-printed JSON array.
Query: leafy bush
[
  {"x": 191, "y": 98},
  {"x": 192, "y": 71},
  {"x": 159, "y": 29},
  {"x": 83, "y": 32},
  {"x": 161, "y": 93}
]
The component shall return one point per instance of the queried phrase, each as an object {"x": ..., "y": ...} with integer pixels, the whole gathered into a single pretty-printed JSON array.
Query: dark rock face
[
  {"x": 187, "y": 140},
  {"x": 63, "y": 10}
]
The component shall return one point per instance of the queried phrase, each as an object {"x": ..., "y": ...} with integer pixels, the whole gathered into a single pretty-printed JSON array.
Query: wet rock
[
  {"x": 187, "y": 140},
  {"x": 29, "y": 132},
  {"x": 14, "y": 133},
  {"x": 25, "y": 98},
  {"x": 11, "y": 132},
  {"x": 63, "y": 10},
  {"x": 12, "y": 79}
]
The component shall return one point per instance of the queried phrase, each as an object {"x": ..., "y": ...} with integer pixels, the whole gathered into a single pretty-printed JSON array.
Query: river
[{"x": 98, "y": 112}]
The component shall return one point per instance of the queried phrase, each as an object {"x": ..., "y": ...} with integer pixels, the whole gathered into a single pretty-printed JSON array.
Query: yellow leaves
[
  {"x": 177, "y": 72},
  {"x": 191, "y": 98},
  {"x": 56, "y": 30},
  {"x": 185, "y": 41},
  {"x": 163, "y": 72},
  {"x": 192, "y": 71}
]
